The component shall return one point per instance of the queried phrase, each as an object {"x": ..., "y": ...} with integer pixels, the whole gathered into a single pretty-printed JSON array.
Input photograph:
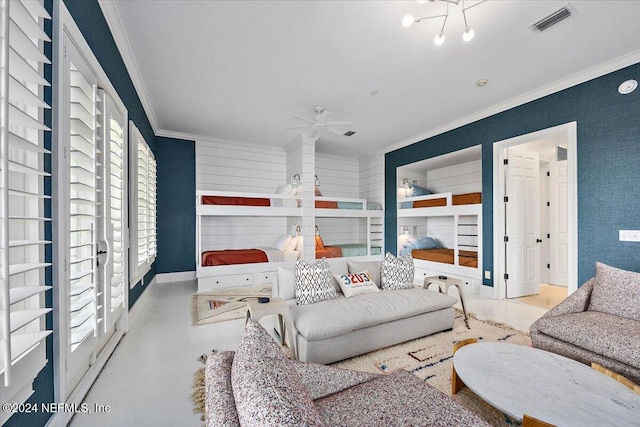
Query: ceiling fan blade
[
  {"x": 299, "y": 127},
  {"x": 304, "y": 119},
  {"x": 339, "y": 123},
  {"x": 334, "y": 131}
]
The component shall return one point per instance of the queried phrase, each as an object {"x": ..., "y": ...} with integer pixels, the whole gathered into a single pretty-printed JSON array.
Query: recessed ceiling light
[
  {"x": 482, "y": 82},
  {"x": 374, "y": 92},
  {"x": 627, "y": 87}
]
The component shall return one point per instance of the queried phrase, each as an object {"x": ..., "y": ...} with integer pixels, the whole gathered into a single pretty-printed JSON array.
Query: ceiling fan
[{"x": 319, "y": 123}]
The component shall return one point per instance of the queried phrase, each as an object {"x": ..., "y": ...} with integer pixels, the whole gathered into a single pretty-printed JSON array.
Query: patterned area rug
[
  {"x": 429, "y": 358},
  {"x": 225, "y": 304}
]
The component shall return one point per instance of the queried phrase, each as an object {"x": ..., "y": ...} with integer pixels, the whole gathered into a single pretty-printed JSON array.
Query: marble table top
[{"x": 520, "y": 380}]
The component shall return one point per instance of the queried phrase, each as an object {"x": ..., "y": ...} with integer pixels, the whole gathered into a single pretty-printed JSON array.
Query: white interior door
[
  {"x": 559, "y": 239},
  {"x": 522, "y": 223}
]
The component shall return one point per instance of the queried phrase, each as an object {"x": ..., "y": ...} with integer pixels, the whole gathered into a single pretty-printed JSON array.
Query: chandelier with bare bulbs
[{"x": 468, "y": 34}]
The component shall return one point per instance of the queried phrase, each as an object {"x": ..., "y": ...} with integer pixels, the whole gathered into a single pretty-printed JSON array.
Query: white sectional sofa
[{"x": 336, "y": 329}]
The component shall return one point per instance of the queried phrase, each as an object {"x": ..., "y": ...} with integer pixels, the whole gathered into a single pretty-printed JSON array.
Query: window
[
  {"x": 22, "y": 199},
  {"x": 143, "y": 209}
]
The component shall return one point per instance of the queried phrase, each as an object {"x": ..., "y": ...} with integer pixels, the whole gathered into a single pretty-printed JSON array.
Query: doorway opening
[{"x": 535, "y": 216}]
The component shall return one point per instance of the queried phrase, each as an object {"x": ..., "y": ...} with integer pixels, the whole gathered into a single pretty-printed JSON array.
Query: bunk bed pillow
[
  {"x": 293, "y": 243},
  {"x": 356, "y": 283},
  {"x": 421, "y": 243},
  {"x": 314, "y": 282},
  {"x": 281, "y": 242},
  {"x": 419, "y": 191},
  {"x": 319, "y": 243},
  {"x": 397, "y": 273}
]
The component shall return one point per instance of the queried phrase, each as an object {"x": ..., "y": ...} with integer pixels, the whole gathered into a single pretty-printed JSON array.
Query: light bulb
[
  {"x": 407, "y": 21},
  {"x": 467, "y": 35},
  {"x": 439, "y": 39}
]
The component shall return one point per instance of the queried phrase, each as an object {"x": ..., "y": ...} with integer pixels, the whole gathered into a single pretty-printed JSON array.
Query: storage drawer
[
  {"x": 232, "y": 280},
  {"x": 420, "y": 274},
  {"x": 264, "y": 278}
]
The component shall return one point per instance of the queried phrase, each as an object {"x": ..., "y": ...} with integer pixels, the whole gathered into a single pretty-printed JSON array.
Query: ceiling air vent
[
  {"x": 349, "y": 133},
  {"x": 553, "y": 19}
]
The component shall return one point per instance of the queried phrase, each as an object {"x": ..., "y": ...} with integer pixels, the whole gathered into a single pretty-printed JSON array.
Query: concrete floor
[{"x": 148, "y": 379}]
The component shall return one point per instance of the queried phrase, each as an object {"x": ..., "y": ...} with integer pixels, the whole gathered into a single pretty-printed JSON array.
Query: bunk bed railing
[{"x": 447, "y": 196}]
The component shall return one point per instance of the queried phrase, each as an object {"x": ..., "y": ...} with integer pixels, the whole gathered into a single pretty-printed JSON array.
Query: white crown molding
[
  {"x": 203, "y": 138},
  {"x": 573, "y": 80},
  {"x": 112, "y": 16}
]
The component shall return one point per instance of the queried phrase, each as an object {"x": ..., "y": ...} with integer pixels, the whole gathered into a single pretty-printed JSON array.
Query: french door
[{"x": 92, "y": 212}]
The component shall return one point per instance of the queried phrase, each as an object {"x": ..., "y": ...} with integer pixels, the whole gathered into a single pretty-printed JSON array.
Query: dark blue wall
[
  {"x": 608, "y": 165},
  {"x": 176, "y": 160}
]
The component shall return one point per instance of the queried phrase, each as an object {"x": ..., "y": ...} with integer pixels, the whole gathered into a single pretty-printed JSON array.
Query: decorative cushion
[
  {"x": 267, "y": 388},
  {"x": 314, "y": 282},
  {"x": 616, "y": 291},
  {"x": 416, "y": 190},
  {"x": 356, "y": 283},
  {"x": 281, "y": 242},
  {"x": 220, "y": 406},
  {"x": 396, "y": 273},
  {"x": 319, "y": 243},
  {"x": 287, "y": 189},
  {"x": 373, "y": 267},
  {"x": 421, "y": 243}
]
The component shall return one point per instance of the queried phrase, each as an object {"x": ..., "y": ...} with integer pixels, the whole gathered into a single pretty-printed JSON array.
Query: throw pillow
[
  {"x": 616, "y": 291},
  {"x": 314, "y": 282},
  {"x": 286, "y": 283},
  {"x": 267, "y": 388},
  {"x": 356, "y": 283},
  {"x": 319, "y": 243},
  {"x": 396, "y": 273}
]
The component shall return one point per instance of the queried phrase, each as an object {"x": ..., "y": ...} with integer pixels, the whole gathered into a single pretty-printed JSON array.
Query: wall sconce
[
  {"x": 317, "y": 181},
  {"x": 317, "y": 231},
  {"x": 405, "y": 230},
  {"x": 298, "y": 230},
  {"x": 295, "y": 180},
  {"x": 405, "y": 183}
]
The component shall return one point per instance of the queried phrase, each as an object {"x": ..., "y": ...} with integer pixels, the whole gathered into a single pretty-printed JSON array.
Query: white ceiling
[{"x": 237, "y": 70}]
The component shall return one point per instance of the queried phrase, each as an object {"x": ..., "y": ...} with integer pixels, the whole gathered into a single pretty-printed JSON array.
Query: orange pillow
[{"x": 319, "y": 243}]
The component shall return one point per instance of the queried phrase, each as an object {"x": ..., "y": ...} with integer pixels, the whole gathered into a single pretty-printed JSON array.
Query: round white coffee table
[{"x": 520, "y": 380}]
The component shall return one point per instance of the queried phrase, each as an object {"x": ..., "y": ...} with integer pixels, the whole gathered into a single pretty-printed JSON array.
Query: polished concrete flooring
[{"x": 148, "y": 379}]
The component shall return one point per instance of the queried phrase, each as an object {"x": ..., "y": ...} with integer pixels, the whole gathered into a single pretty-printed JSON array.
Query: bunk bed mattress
[
  {"x": 237, "y": 201},
  {"x": 456, "y": 199},
  {"x": 465, "y": 258},
  {"x": 327, "y": 204},
  {"x": 246, "y": 256}
]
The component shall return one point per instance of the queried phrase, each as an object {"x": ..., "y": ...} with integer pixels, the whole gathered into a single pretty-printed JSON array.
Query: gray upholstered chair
[{"x": 599, "y": 323}]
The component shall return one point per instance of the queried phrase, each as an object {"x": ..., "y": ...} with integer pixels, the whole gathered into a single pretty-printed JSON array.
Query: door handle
[{"x": 538, "y": 240}]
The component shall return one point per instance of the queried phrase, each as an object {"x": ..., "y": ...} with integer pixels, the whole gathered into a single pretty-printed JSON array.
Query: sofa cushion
[
  {"x": 399, "y": 399},
  {"x": 327, "y": 319},
  {"x": 267, "y": 388},
  {"x": 605, "y": 334},
  {"x": 314, "y": 282},
  {"x": 220, "y": 406},
  {"x": 353, "y": 284},
  {"x": 373, "y": 267},
  {"x": 322, "y": 381},
  {"x": 397, "y": 273},
  {"x": 616, "y": 292}
]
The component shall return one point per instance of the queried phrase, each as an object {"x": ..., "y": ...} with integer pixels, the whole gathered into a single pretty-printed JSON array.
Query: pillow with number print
[{"x": 356, "y": 283}]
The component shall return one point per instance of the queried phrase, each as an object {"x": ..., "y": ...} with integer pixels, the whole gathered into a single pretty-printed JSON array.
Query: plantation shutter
[
  {"x": 83, "y": 204},
  {"x": 22, "y": 198},
  {"x": 143, "y": 219}
]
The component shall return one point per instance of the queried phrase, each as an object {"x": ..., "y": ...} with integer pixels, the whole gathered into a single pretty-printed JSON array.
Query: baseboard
[
  {"x": 141, "y": 303},
  {"x": 181, "y": 276},
  {"x": 488, "y": 291}
]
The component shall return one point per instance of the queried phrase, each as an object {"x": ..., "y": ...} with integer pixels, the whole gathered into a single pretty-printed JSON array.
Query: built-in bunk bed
[
  {"x": 462, "y": 215},
  {"x": 217, "y": 266},
  {"x": 368, "y": 217},
  {"x": 442, "y": 230}
]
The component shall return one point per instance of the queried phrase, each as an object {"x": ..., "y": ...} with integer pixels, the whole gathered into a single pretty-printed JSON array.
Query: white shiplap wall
[
  {"x": 226, "y": 166},
  {"x": 372, "y": 178},
  {"x": 340, "y": 177},
  {"x": 457, "y": 179}
]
